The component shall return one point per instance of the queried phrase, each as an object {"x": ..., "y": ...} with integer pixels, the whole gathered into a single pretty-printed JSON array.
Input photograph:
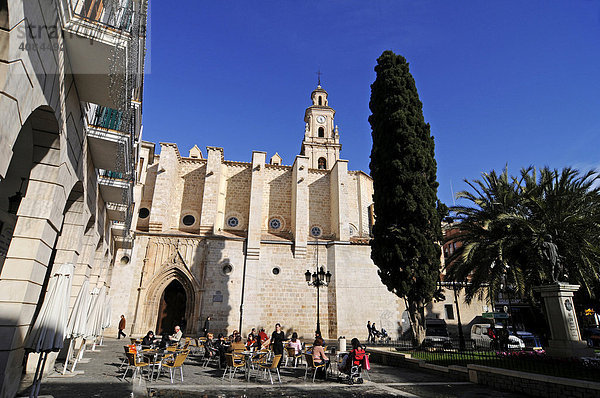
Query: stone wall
[
  {"x": 237, "y": 198},
  {"x": 319, "y": 205}
]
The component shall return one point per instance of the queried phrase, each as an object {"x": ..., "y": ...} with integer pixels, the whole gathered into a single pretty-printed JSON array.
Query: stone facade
[
  {"x": 244, "y": 232},
  {"x": 67, "y": 148}
]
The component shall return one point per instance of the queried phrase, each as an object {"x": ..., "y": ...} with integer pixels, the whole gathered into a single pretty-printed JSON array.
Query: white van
[{"x": 481, "y": 339}]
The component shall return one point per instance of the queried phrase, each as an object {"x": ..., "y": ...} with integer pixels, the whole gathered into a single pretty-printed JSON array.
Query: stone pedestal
[{"x": 560, "y": 310}]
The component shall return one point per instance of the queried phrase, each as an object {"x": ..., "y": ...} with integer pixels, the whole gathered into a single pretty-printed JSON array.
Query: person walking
[
  {"x": 121, "y": 327},
  {"x": 206, "y": 326},
  {"x": 370, "y": 332}
]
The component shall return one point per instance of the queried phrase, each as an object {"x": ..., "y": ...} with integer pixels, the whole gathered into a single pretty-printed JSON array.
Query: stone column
[
  {"x": 560, "y": 311},
  {"x": 339, "y": 206},
  {"x": 166, "y": 178},
  {"x": 300, "y": 205},
  {"x": 212, "y": 187},
  {"x": 257, "y": 188}
]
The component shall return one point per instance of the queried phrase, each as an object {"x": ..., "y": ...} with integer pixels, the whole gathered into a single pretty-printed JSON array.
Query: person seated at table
[
  {"x": 233, "y": 335},
  {"x": 148, "y": 339},
  {"x": 250, "y": 342},
  {"x": 295, "y": 343},
  {"x": 175, "y": 337},
  {"x": 262, "y": 336},
  {"x": 221, "y": 346},
  {"x": 210, "y": 349},
  {"x": 319, "y": 356},
  {"x": 164, "y": 341},
  {"x": 354, "y": 357},
  {"x": 252, "y": 334},
  {"x": 237, "y": 344}
]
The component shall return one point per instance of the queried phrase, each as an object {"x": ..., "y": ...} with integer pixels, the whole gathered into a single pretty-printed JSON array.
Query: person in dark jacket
[
  {"x": 206, "y": 326},
  {"x": 148, "y": 339},
  {"x": 121, "y": 327}
]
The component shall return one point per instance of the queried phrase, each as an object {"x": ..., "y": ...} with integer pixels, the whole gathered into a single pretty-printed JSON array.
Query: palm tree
[{"x": 527, "y": 231}]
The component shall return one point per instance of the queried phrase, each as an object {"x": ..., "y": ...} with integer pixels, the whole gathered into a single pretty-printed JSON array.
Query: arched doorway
[{"x": 172, "y": 308}]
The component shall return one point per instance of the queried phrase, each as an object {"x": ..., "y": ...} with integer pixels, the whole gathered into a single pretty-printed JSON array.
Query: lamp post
[{"x": 317, "y": 279}]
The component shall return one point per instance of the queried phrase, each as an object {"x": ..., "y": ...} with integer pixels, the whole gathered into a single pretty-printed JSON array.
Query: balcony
[
  {"x": 121, "y": 235},
  {"x": 116, "y": 211},
  {"x": 109, "y": 145},
  {"x": 98, "y": 32},
  {"x": 114, "y": 187}
]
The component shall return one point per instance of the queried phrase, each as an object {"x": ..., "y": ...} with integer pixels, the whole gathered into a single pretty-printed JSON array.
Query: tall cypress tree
[{"x": 407, "y": 227}]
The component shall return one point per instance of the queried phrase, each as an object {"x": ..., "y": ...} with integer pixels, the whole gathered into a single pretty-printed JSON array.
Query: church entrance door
[{"x": 172, "y": 308}]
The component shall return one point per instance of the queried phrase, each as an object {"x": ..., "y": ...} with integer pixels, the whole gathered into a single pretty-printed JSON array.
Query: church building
[{"x": 234, "y": 240}]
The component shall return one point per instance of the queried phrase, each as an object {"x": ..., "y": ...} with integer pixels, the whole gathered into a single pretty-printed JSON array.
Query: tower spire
[{"x": 319, "y": 77}]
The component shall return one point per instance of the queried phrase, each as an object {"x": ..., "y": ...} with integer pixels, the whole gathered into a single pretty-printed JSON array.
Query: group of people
[
  {"x": 166, "y": 339},
  {"x": 277, "y": 343}
]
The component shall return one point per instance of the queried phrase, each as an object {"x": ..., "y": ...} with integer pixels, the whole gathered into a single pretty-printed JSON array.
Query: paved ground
[{"x": 102, "y": 378}]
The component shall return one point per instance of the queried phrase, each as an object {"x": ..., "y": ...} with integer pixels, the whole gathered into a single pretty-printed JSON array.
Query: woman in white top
[{"x": 295, "y": 343}]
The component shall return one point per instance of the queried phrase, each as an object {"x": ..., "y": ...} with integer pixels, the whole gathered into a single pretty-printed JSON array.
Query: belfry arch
[{"x": 151, "y": 301}]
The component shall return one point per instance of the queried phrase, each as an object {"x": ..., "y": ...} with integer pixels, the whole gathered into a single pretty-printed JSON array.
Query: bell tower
[{"x": 321, "y": 141}]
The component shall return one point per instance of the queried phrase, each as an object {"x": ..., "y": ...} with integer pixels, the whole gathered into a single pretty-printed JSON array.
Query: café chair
[
  {"x": 272, "y": 367},
  {"x": 310, "y": 364}
]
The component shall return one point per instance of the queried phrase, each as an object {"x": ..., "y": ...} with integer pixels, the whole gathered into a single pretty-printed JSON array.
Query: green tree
[
  {"x": 407, "y": 227},
  {"x": 526, "y": 231}
]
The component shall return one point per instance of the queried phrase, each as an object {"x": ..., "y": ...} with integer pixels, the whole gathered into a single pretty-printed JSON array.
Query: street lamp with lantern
[{"x": 317, "y": 279}]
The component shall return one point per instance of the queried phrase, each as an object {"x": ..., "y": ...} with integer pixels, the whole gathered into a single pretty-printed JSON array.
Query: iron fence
[{"x": 532, "y": 361}]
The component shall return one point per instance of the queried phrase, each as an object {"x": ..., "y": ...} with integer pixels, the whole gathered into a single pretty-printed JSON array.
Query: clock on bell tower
[{"x": 321, "y": 141}]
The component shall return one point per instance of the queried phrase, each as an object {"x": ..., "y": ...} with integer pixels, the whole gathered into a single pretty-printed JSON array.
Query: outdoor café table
[
  {"x": 157, "y": 356},
  {"x": 249, "y": 357}
]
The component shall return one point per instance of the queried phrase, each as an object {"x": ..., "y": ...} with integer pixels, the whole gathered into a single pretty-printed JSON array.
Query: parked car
[
  {"x": 436, "y": 334},
  {"x": 531, "y": 341},
  {"x": 480, "y": 338}
]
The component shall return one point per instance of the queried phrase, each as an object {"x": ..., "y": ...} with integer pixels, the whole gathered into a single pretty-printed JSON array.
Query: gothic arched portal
[{"x": 172, "y": 308}]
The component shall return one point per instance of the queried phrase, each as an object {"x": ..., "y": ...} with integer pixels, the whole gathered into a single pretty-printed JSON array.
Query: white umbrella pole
[
  {"x": 69, "y": 353},
  {"x": 35, "y": 377},
  {"x": 79, "y": 355}
]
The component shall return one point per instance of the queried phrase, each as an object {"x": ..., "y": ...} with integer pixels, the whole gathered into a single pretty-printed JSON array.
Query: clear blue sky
[{"x": 502, "y": 82}]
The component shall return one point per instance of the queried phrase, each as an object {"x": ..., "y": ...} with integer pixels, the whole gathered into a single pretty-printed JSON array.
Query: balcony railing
[
  {"x": 106, "y": 118},
  {"x": 117, "y": 14}
]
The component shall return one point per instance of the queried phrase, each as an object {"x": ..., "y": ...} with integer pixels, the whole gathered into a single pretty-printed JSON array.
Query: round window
[
  {"x": 227, "y": 269},
  {"x": 315, "y": 231},
  {"x": 233, "y": 222},
  {"x": 144, "y": 212},
  {"x": 276, "y": 271},
  {"x": 189, "y": 220},
  {"x": 125, "y": 260},
  {"x": 275, "y": 223}
]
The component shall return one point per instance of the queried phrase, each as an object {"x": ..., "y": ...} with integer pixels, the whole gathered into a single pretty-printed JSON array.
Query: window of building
[
  {"x": 321, "y": 132},
  {"x": 275, "y": 223},
  {"x": 316, "y": 231},
  {"x": 189, "y": 220},
  {"x": 322, "y": 164},
  {"x": 449, "y": 309},
  {"x": 125, "y": 260},
  {"x": 320, "y": 100},
  {"x": 227, "y": 269},
  {"x": 144, "y": 212},
  {"x": 233, "y": 222},
  {"x": 276, "y": 270}
]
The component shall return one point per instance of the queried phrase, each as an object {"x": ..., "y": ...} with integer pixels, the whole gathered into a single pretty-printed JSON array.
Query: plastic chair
[
  {"x": 310, "y": 364},
  {"x": 272, "y": 366},
  {"x": 175, "y": 364},
  {"x": 233, "y": 363},
  {"x": 135, "y": 366}
]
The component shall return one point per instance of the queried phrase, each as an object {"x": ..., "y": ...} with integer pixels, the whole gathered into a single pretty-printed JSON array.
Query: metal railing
[
  {"x": 513, "y": 359},
  {"x": 117, "y": 14}
]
